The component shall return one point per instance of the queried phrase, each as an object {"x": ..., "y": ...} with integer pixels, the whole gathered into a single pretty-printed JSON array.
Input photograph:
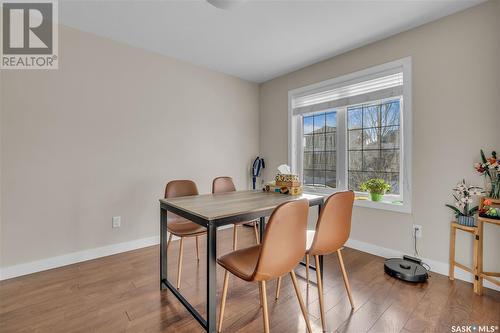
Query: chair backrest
[
  {"x": 223, "y": 185},
  {"x": 180, "y": 188},
  {"x": 334, "y": 224},
  {"x": 284, "y": 242}
]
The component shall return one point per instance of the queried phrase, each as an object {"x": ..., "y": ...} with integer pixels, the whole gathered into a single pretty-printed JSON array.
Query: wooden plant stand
[
  {"x": 479, "y": 273},
  {"x": 453, "y": 233}
]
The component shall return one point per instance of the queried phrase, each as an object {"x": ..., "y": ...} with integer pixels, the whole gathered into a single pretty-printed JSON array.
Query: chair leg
[
  {"x": 223, "y": 300},
  {"x": 346, "y": 280},
  {"x": 320, "y": 293},
  {"x": 197, "y": 249},
  {"x": 179, "y": 268},
  {"x": 260, "y": 293},
  {"x": 169, "y": 240},
  {"x": 301, "y": 302},
  {"x": 256, "y": 231},
  {"x": 265, "y": 314},
  {"x": 278, "y": 286},
  {"x": 307, "y": 268},
  {"x": 235, "y": 236}
]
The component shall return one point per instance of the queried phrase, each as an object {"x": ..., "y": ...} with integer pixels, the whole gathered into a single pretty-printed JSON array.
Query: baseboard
[
  {"x": 76, "y": 257},
  {"x": 436, "y": 266}
]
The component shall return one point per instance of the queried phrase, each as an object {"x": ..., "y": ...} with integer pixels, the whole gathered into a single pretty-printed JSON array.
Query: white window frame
[{"x": 295, "y": 133}]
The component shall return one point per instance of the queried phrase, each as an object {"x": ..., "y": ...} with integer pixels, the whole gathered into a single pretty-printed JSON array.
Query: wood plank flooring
[{"x": 120, "y": 293}]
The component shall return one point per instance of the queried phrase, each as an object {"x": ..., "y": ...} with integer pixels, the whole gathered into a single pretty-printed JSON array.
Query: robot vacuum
[{"x": 407, "y": 269}]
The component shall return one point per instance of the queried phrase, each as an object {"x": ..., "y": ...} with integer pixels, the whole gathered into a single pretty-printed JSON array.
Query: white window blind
[{"x": 383, "y": 85}]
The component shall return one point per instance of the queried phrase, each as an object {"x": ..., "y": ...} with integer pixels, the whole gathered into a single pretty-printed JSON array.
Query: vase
[
  {"x": 468, "y": 221},
  {"x": 495, "y": 185},
  {"x": 376, "y": 196}
]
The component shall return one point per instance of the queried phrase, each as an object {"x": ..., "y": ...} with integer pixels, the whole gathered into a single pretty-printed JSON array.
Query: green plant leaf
[
  {"x": 375, "y": 185},
  {"x": 455, "y": 209},
  {"x": 483, "y": 157},
  {"x": 473, "y": 210}
]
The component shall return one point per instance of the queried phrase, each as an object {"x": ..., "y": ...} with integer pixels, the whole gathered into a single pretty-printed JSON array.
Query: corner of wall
[{"x": 259, "y": 96}]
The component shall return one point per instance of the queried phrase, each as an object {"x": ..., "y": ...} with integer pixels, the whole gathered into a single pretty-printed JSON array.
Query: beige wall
[
  {"x": 102, "y": 135},
  {"x": 456, "y": 111}
]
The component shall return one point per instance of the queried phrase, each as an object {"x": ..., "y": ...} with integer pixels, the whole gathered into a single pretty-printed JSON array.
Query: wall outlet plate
[
  {"x": 417, "y": 230},
  {"x": 117, "y": 221}
]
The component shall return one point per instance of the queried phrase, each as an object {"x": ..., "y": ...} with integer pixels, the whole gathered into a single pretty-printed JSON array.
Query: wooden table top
[{"x": 212, "y": 207}]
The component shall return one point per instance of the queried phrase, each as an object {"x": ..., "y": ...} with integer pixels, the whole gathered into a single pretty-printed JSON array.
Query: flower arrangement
[
  {"x": 377, "y": 188},
  {"x": 489, "y": 211},
  {"x": 490, "y": 168},
  {"x": 463, "y": 200}
]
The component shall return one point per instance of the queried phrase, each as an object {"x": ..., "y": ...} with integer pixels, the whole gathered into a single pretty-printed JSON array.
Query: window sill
[
  {"x": 363, "y": 201},
  {"x": 384, "y": 205}
]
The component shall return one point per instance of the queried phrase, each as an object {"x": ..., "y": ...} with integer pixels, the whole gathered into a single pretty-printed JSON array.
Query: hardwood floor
[{"x": 120, "y": 294}]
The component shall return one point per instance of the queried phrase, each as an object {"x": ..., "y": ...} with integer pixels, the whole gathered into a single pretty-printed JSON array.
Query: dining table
[{"x": 213, "y": 211}]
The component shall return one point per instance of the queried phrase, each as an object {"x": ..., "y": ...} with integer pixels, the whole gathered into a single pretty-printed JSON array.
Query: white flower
[
  {"x": 476, "y": 191},
  {"x": 460, "y": 204}
]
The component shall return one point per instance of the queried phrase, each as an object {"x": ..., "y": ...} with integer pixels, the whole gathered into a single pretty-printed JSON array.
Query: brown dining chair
[
  {"x": 180, "y": 226},
  {"x": 224, "y": 185},
  {"x": 332, "y": 231},
  {"x": 282, "y": 248}
]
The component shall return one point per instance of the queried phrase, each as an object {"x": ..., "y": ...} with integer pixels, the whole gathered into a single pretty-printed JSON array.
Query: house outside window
[{"x": 347, "y": 130}]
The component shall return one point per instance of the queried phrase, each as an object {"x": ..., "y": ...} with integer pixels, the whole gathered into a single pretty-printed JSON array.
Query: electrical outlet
[
  {"x": 117, "y": 221},
  {"x": 417, "y": 230}
]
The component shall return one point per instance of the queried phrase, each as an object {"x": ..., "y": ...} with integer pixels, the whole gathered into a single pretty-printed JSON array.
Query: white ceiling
[{"x": 256, "y": 40}]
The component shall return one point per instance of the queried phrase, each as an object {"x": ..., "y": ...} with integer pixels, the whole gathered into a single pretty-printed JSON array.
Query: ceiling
[{"x": 256, "y": 40}]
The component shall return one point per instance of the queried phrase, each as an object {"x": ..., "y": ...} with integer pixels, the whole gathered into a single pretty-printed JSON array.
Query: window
[
  {"x": 373, "y": 143},
  {"x": 319, "y": 153},
  {"x": 347, "y": 130}
]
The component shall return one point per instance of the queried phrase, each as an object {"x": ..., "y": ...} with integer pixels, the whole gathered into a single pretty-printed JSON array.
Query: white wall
[
  {"x": 102, "y": 135},
  {"x": 456, "y": 111}
]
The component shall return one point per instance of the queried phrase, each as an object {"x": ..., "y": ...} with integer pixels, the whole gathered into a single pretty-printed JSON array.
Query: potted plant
[
  {"x": 490, "y": 168},
  {"x": 376, "y": 187},
  {"x": 463, "y": 200}
]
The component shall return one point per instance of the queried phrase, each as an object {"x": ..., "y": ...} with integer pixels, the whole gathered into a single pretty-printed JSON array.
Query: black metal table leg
[
  {"x": 320, "y": 207},
  {"x": 163, "y": 247},
  {"x": 164, "y": 283},
  {"x": 211, "y": 277},
  {"x": 210, "y": 322},
  {"x": 262, "y": 226}
]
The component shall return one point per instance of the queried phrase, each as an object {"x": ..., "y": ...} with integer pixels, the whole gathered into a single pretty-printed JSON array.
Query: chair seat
[
  {"x": 242, "y": 262},
  {"x": 184, "y": 228}
]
